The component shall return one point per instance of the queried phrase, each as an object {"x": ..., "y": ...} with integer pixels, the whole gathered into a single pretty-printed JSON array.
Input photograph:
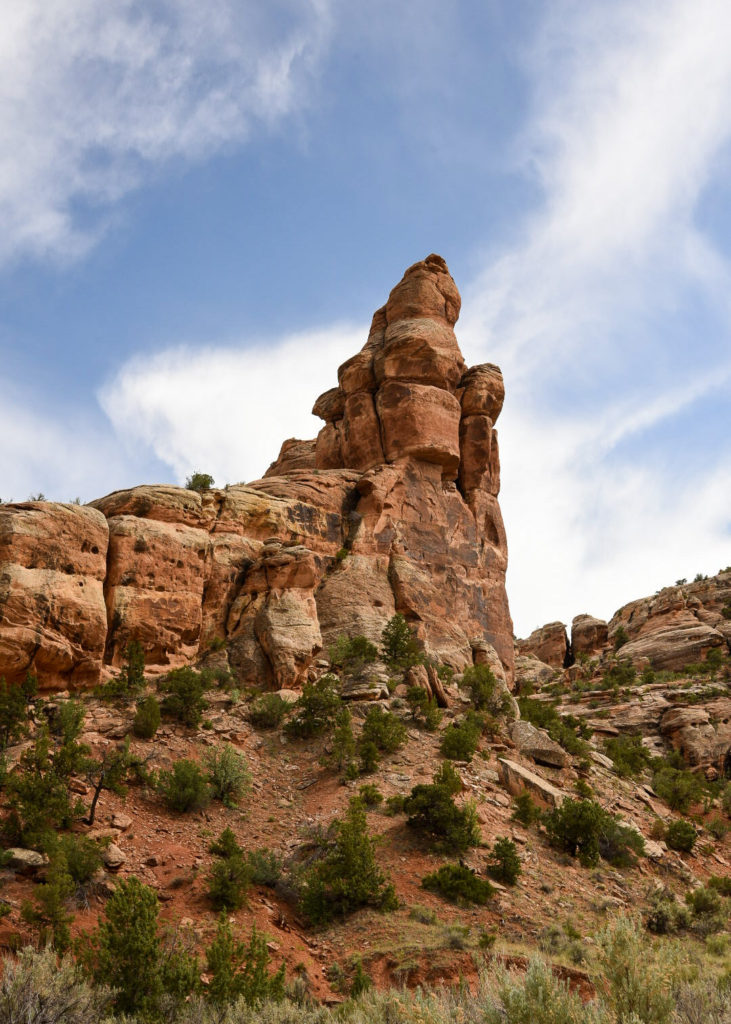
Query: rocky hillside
[
  {"x": 298, "y": 701},
  {"x": 393, "y": 508},
  {"x": 654, "y": 669}
]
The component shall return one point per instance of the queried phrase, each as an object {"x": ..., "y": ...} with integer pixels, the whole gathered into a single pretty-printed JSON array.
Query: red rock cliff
[{"x": 393, "y": 508}]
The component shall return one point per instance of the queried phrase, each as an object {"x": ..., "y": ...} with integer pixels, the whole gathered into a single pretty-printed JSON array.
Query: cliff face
[{"x": 392, "y": 508}]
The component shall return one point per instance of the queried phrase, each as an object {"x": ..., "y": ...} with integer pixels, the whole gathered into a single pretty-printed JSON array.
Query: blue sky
[{"x": 203, "y": 205}]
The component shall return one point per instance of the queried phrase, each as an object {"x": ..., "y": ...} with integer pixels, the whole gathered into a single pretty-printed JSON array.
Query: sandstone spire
[{"x": 392, "y": 508}]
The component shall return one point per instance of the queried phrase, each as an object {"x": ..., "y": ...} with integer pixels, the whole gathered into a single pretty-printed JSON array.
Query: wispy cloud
[
  {"x": 226, "y": 411},
  {"x": 95, "y": 96},
  {"x": 610, "y": 313}
]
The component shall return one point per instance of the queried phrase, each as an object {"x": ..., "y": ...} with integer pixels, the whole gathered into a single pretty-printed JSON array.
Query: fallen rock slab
[{"x": 516, "y": 779}]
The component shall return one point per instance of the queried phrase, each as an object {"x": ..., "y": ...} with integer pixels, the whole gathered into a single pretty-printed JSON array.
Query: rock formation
[{"x": 392, "y": 508}]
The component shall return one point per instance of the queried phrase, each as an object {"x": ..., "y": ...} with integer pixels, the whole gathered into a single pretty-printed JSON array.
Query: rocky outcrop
[
  {"x": 53, "y": 620},
  {"x": 548, "y": 644},
  {"x": 702, "y": 733},
  {"x": 588, "y": 635},
  {"x": 393, "y": 507},
  {"x": 678, "y": 626}
]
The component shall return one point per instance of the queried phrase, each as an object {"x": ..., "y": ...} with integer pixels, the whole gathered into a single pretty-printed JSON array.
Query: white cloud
[
  {"x": 63, "y": 453},
  {"x": 226, "y": 411},
  {"x": 587, "y": 312},
  {"x": 95, "y": 96}
]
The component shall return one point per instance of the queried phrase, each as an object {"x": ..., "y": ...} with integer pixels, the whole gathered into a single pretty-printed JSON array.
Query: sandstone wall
[{"x": 392, "y": 508}]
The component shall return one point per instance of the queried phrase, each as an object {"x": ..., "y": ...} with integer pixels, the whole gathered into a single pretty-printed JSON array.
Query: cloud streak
[
  {"x": 226, "y": 411},
  {"x": 587, "y": 310},
  {"x": 94, "y": 98}
]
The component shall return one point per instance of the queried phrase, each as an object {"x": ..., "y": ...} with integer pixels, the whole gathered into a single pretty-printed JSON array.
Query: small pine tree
[
  {"x": 184, "y": 788},
  {"x": 200, "y": 482},
  {"x": 504, "y": 862},
  {"x": 399, "y": 646},
  {"x": 147, "y": 719},
  {"x": 125, "y": 950},
  {"x": 228, "y": 774},
  {"x": 343, "y": 742},
  {"x": 347, "y": 876}
]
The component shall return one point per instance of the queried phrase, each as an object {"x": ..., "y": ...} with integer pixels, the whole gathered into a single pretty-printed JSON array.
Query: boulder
[
  {"x": 518, "y": 779},
  {"x": 113, "y": 857},
  {"x": 549, "y": 644},
  {"x": 538, "y": 745},
  {"x": 588, "y": 635},
  {"x": 25, "y": 862}
]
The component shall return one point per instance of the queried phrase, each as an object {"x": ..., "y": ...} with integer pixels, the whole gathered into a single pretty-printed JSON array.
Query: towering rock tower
[{"x": 392, "y": 508}]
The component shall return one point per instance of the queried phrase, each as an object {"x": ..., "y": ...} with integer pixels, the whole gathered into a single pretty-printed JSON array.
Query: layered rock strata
[{"x": 393, "y": 507}]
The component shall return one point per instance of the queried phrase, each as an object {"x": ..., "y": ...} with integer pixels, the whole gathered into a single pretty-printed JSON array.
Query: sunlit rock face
[{"x": 393, "y": 507}]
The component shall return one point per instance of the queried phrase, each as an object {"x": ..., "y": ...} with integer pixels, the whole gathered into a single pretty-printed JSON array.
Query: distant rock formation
[{"x": 392, "y": 508}]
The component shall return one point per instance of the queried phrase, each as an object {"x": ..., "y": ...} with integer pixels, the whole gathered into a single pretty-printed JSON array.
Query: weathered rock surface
[
  {"x": 549, "y": 644},
  {"x": 517, "y": 779},
  {"x": 538, "y": 745},
  {"x": 392, "y": 508},
  {"x": 530, "y": 671},
  {"x": 677, "y": 626},
  {"x": 701, "y": 733},
  {"x": 588, "y": 635},
  {"x": 53, "y": 619}
]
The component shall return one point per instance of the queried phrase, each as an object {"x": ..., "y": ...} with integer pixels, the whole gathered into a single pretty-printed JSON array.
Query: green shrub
[
  {"x": 621, "y": 637},
  {"x": 583, "y": 829},
  {"x": 127, "y": 953},
  {"x": 433, "y": 813},
  {"x": 147, "y": 719},
  {"x": 131, "y": 677},
  {"x": 460, "y": 739},
  {"x": 82, "y": 855},
  {"x": 184, "y": 700},
  {"x": 38, "y": 793},
  {"x": 228, "y": 775},
  {"x": 14, "y": 706},
  {"x": 629, "y": 755},
  {"x": 665, "y": 914},
  {"x": 399, "y": 646},
  {"x": 370, "y": 795},
  {"x": 351, "y": 654},
  {"x": 384, "y": 729},
  {"x": 347, "y": 875},
  {"x": 458, "y": 884},
  {"x": 680, "y": 835},
  {"x": 238, "y": 971},
  {"x": 424, "y": 708},
  {"x": 722, "y": 884},
  {"x": 200, "y": 482},
  {"x": 268, "y": 711},
  {"x": 639, "y": 977},
  {"x": 230, "y": 876},
  {"x": 562, "y": 729},
  {"x": 265, "y": 867},
  {"x": 703, "y": 900},
  {"x": 726, "y": 799},
  {"x": 184, "y": 788},
  {"x": 343, "y": 741},
  {"x": 675, "y": 785},
  {"x": 504, "y": 863},
  {"x": 485, "y": 693},
  {"x": 39, "y": 988},
  {"x": 315, "y": 710},
  {"x": 619, "y": 675},
  {"x": 525, "y": 810},
  {"x": 49, "y": 913}
]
